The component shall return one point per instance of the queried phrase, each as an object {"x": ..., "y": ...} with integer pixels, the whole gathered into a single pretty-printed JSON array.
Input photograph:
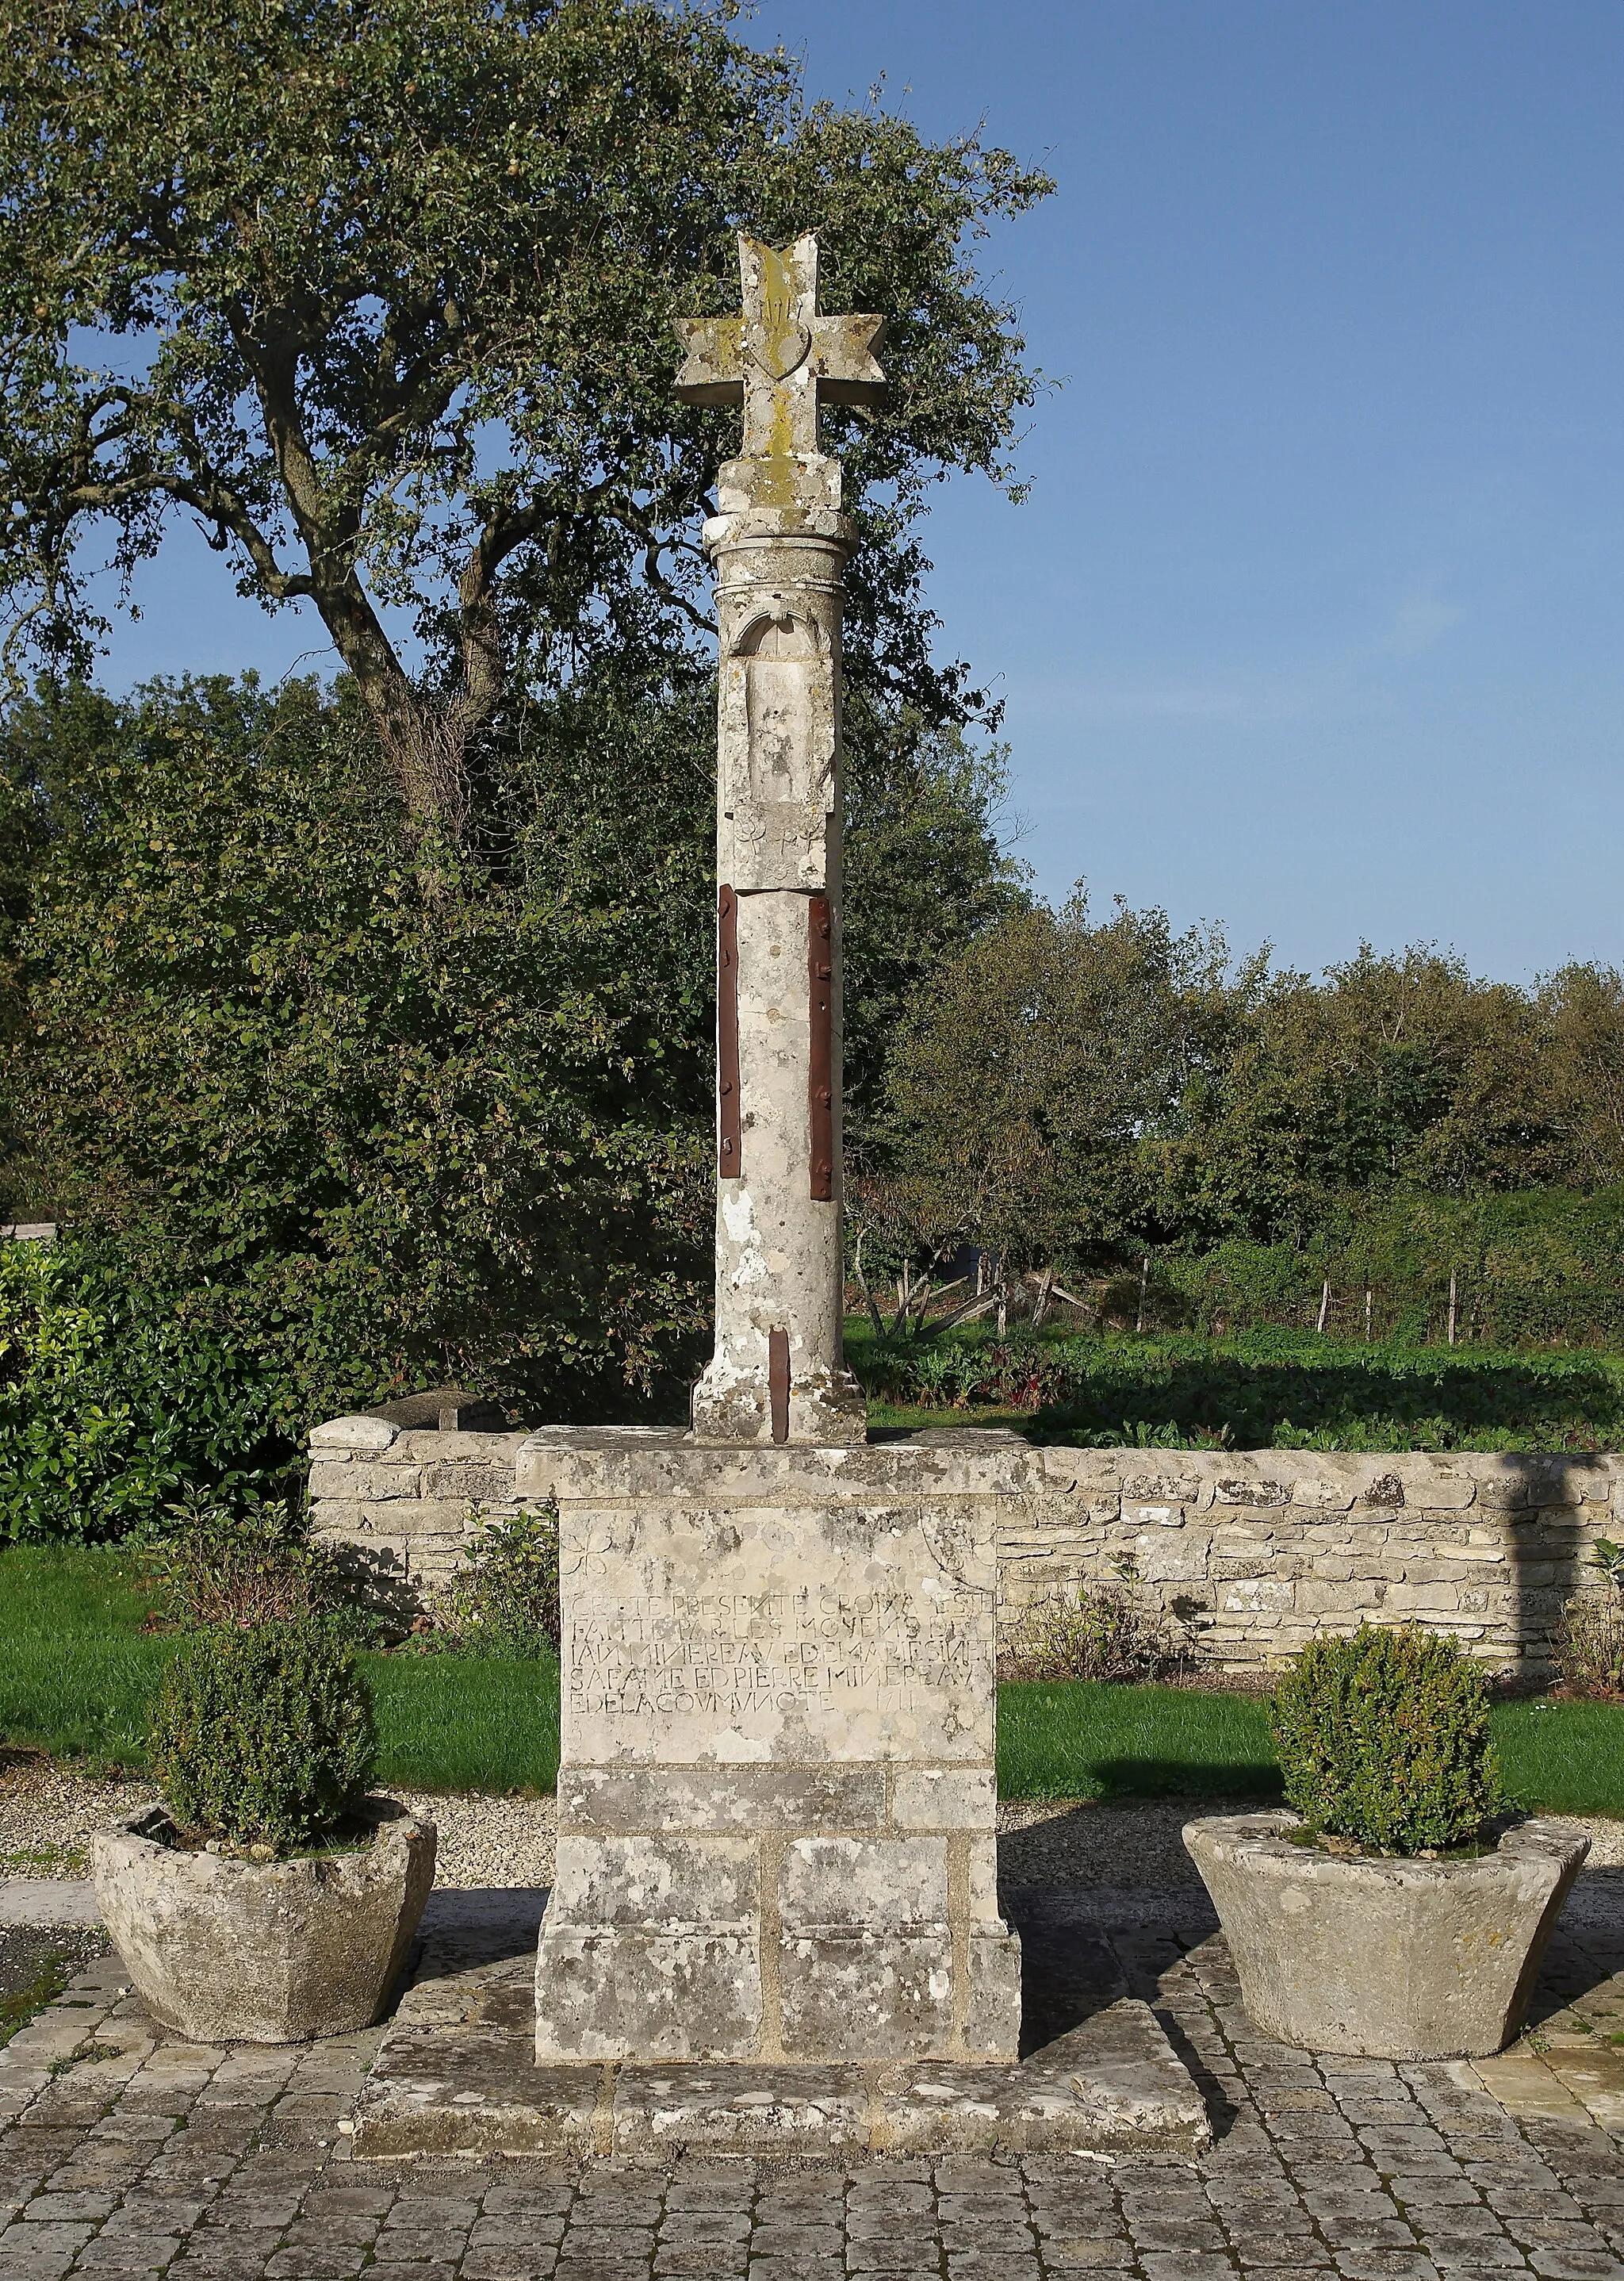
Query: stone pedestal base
[
  {"x": 777, "y": 1798},
  {"x": 825, "y": 1408},
  {"x": 456, "y": 2075},
  {"x": 797, "y": 1913}
]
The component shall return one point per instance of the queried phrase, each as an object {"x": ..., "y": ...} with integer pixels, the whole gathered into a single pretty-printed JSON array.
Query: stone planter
[
  {"x": 1385, "y": 1958},
  {"x": 262, "y": 1951}
]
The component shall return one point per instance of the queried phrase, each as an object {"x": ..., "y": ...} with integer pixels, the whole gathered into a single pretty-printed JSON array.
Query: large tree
[
  {"x": 379, "y": 293},
  {"x": 1033, "y": 1065}
]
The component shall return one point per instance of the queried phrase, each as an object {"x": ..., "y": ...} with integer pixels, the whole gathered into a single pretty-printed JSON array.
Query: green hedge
[{"x": 112, "y": 1399}]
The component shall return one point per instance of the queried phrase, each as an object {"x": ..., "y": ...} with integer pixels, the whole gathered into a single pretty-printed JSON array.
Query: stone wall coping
[
  {"x": 353, "y": 1433},
  {"x": 429, "y": 1447},
  {"x": 612, "y": 1463},
  {"x": 1303, "y": 1485}
]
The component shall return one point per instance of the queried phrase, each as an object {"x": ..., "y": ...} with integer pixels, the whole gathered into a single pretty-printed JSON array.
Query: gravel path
[{"x": 48, "y": 1814}]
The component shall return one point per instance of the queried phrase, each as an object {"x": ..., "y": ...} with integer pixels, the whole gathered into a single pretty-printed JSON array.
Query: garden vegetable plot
[{"x": 1265, "y": 1389}]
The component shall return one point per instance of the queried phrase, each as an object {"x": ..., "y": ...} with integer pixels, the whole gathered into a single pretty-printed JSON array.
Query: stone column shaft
[{"x": 777, "y": 1371}]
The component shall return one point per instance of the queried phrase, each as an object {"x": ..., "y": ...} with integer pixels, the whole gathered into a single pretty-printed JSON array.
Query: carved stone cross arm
[{"x": 780, "y": 360}]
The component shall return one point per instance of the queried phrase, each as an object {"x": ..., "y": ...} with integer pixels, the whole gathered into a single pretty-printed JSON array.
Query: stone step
[{"x": 456, "y": 2075}]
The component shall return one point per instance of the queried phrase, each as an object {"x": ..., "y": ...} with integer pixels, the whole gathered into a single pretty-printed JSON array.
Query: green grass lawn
[
  {"x": 77, "y": 1673},
  {"x": 1074, "y": 1741}
]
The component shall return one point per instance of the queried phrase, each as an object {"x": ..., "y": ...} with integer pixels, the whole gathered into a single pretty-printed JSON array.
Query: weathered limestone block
[
  {"x": 1249, "y": 1486},
  {"x": 777, "y": 1798},
  {"x": 1163, "y": 1559},
  {"x": 372, "y": 1483},
  {"x": 353, "y": 1433},
  {"x": 1323, "y": 1494},
  {"x": 1163, "y": 1488}
]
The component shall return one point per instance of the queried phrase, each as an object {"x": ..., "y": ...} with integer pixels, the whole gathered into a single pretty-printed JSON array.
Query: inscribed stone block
[{"x": 715, "y": 1636}]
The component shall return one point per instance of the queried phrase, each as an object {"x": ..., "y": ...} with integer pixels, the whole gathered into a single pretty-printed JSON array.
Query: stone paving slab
[{"x": 122, "y": 2151}]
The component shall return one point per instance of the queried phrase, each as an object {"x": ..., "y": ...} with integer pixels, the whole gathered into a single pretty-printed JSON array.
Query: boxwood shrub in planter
[
  {"x": 267, "y": 1897},
  {"x": 1397, "y": 1910}
]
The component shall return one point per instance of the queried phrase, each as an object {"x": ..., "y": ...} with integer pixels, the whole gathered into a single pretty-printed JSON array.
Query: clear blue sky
[{"x": 1312, "y": 622}]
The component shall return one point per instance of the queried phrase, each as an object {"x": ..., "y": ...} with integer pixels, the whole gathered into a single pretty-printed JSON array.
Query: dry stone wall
[
  {"x": 1257, "y": 1551},
  {"x": 1254, "y": 1551}
]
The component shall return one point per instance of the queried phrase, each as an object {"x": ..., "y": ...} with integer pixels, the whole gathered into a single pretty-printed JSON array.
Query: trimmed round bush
[
  {"x": 264, "y": 1735},
  {"x": 1383, "y": 1739}
]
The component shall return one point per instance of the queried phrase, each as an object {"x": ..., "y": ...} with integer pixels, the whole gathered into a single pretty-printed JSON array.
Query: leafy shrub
[
  {"x": 112, "y": 1396},
  {"x": 1005, "y": 1374},
  {"x": 504, "y": 1599},
  {"x": 1590, "y": 1640},
  {"x": 257, "y": 1565},
  {"x": 264, "y": 1735},
  {"x": 1100, "y": 1632},
  {"x": 1383, "y": 1740}
]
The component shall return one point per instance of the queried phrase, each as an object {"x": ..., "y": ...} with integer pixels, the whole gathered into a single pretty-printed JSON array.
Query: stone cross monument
[
  {"x": 774, "y": 1924},
  {"x": 779, "y": 544},
  {"x": 776, "y": 1796}
]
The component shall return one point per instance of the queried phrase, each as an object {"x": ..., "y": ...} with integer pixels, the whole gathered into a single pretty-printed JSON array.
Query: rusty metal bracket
[
  {"x": 820, "y": 1071},
  {"x": 730, "y": 1121},
  {"x": 778, "y": 1382}
]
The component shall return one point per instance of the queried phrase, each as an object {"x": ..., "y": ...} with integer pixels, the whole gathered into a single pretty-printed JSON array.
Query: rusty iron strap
[
  {"x": 729, "y": 1126},
  {"x": 820, "y": 1071},
  {"x": 778, "y": 1382}
]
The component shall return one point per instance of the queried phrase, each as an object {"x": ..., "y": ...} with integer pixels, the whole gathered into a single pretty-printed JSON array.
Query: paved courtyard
[{"x": 125, "y": 2152}]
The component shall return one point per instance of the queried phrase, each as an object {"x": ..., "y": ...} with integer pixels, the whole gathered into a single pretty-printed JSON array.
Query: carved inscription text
[{"x": 812, "y": 1649}]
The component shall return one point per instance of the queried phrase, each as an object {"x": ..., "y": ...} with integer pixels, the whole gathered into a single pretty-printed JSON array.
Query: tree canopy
[
  {"x": 1067, "y": 1092},
  {"x": 379, "y": 293},
  {"x": 377, "y": 1137}
]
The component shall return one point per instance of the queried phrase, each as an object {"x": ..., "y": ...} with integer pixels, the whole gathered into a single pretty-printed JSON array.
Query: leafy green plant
[
  {"x": 1383, "y": 1741},
  {"x": 1098, "y": 1631},
  {"x": 211, "y": 1565},
  {"x": 264, "y": 1736},
  {"x": 113, "y": 1394},
  {"x": 1590, "y": 1638},
  {"x": 504, "y": 1598}
]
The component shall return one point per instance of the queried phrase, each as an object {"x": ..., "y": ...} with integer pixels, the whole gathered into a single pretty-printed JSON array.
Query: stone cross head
[{"x": 780, "y": 359}]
